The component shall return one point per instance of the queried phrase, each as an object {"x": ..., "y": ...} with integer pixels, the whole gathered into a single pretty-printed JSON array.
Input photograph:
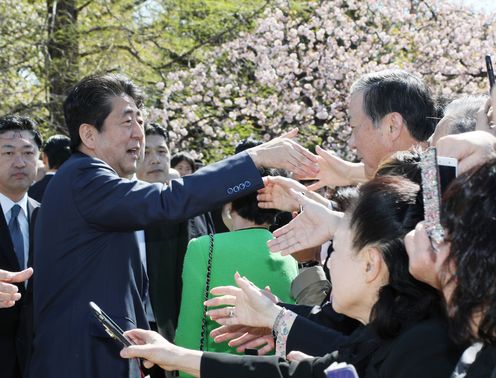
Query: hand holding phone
[{"x": 109, "y": 325}]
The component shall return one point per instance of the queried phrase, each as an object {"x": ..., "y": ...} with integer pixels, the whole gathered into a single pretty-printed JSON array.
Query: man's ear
[
  {"x": 88, "y": 134},
  {"x": 44, "y": 157},
  {"x": 375, "y": 268},
  {"x": 395, "y": 125}
]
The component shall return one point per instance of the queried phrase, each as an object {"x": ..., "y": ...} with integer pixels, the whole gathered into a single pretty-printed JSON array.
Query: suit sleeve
[
  {"x": 111, "y": 203},
  {"x": 220, "y": 365},
  {"x": 318, "y": 330}
]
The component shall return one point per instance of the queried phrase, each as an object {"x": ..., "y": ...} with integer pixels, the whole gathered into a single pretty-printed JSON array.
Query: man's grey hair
[
  {"x": 462, "y": 113},
  {"x": 395, "y": 90}
]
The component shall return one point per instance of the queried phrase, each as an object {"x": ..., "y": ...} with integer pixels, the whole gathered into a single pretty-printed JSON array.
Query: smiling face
[
  {"x": 155, "y": 165},
  {"x": 369, "y": 141},
  {"x": 120, "y": 141},
  {"x": 18, "y": 158}
]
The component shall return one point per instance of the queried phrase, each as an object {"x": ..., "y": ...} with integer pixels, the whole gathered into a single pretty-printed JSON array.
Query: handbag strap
[{"x": 207, "y": 290}]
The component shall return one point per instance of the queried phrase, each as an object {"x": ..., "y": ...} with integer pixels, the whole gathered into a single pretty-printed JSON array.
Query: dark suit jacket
[
  {"x": 166, "y": 246},
  {"x": 317, "y": 330},
  {"x": 37, "y": 190},
  {"x": 424, "y": 350},
  {"x": 16, "y": 322},
  {"x": 86, "y": 250}
]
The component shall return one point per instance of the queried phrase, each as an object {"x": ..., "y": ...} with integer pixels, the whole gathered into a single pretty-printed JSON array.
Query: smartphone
[
  {"x": 109, "y": 325},
  {"x": 448, "y": 170},
  {"x": 341, "y": 370},
  {"x": 431, "y": 194},
  {"x": 490, "y": 72}
]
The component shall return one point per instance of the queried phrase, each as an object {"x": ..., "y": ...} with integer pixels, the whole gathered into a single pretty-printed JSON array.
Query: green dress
[{"x": 244, "y": 251}]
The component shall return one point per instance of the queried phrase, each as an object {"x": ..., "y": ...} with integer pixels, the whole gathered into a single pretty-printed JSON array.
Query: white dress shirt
[
  {"x": 7, "y": 205},
  {"x": 140, "y": 235}
]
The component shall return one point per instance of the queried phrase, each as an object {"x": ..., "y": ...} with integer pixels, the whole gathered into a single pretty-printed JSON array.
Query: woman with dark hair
[
  {"x": 183, "y": 163},
  {"x": 466, "y": 267},
  {"x": 244, "y": 249},
  {"x": 403, "y": 333}
]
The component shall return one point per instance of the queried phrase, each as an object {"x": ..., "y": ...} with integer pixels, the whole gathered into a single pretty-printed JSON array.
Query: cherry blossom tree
[{"x": 295, "y": 70}]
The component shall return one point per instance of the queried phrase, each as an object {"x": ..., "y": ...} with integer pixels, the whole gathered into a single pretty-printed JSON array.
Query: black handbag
[{"x": 207, "y": 290}]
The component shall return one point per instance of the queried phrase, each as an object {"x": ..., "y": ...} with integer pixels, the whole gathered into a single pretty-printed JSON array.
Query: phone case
[
  {"x": 111, "y": 327},
  {"x": 341, "y": 370},
  {"x": 431, "y": 196}
]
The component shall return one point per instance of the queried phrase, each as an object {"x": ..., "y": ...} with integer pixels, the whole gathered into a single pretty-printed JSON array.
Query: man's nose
[
  {"x": 138, "y": 130},
  {"x": 19, "y": 161},
  {"x": 154, "y": 158}
]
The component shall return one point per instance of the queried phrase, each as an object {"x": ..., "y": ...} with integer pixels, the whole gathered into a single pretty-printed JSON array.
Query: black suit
[
  {"x": 16, "y": 322},
  {"x": 165, "y": 249},
  {"x": 87, "y": 250},
  {"x": 37, "y": 190},
  {"x": 423, "y": 350}
]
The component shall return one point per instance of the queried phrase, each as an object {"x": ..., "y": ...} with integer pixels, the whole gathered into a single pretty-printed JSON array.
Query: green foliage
[{"x": 142, "y": 39}]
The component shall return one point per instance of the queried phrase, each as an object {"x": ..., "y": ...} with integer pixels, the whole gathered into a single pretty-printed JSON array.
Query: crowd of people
[{"x": 340, "y": 273}]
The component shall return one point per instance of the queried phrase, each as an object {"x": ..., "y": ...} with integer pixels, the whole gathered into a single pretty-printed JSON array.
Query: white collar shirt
[{"x": 7, "y": 205}]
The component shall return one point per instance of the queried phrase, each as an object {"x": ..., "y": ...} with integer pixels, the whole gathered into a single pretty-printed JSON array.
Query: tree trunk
[{"x": 62, "y": 60}]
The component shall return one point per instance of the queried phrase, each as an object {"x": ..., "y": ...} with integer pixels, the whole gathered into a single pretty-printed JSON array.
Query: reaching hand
[
  {"x": 277, "y": 194},
  {"x": 315, "y": 225},
  {"x": 9, "y": 294},
  {"x": 149, "y": 345},
  {"x": 334, "y": 171},
  {"x": 471, "y": 148},
  {"x": 246, "y": 305},
  {"x": 283, "y": 152},
  {"x": 154, "y": 349},
  {"x": 243, "y": 337}
]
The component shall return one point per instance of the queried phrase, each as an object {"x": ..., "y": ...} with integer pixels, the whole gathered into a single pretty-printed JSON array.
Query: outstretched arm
[
  {"x": 156, "y": 350},
  {"x": 277, "y": 194},
  {"x": 313, "y": 226},
  {"x": 283, "y": 152},
  {"x": 334, "y": 171}
]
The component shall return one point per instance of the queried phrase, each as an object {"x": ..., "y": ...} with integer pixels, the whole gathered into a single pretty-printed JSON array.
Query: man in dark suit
[
  {"x": 55, "y": 152},
  {"x": 162, "y": 246},
  {"x": 86, "y": 245},
  {"x": 19, "y": 150}
]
